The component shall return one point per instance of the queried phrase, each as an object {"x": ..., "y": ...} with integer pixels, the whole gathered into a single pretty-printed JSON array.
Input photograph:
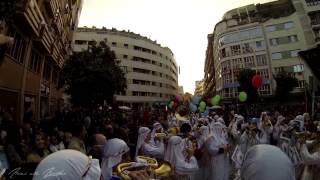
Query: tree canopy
[
  {"x": 245, "y": 80},
  {"x": 285, "y": 84},
  {"x": 92, "y": 76}
]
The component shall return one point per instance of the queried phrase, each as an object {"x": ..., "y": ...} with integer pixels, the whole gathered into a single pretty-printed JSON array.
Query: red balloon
[
  {"x": 257, "y": 81},
  {"x": 209, "y": 101}
]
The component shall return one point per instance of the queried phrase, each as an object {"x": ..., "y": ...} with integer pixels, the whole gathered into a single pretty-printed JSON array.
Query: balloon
[
  {"x": 243, "y": 96},
  {"x": 208, "y": 101},
  {"x": 202, "y": 105},
  {"x": 194, "y": 108},
  {"x": 257, "y": 81},
  {"x": 196, "y": 100},
  {"x": 170, "y": 105},
  {"x": 215, "y": 100},
  {"x": 178, "y": 98},
  {"x": 206, "y": 112},
  {"x": 201, "y": 109}
]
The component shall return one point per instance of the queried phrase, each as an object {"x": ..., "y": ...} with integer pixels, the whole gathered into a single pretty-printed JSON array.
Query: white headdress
[
  {"x": 112, "y": 155},
  {"x": 143, "y": 133},
  {"x": 68, "y": 165}
]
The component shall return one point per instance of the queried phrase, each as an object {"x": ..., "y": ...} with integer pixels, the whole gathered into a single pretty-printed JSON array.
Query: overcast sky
[{"x": 181, "y": 25}]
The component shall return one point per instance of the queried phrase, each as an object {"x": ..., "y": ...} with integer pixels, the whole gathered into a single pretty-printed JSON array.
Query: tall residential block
[
  {"x": 150, "y": 69},
  {"x": 29, "y": 70}
]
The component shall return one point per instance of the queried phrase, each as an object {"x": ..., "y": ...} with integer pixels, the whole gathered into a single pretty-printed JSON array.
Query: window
[
  {"x": 312, "y": 2},
  {"x": 293, "y": 38},
  {"x": 18, "y": 49},
  {"x": 249, "y": 61},
  {"x": 264, "y": 73},
  {"x": 275, "y": 56},
  {"x": 265, "y": 89},
  {"x": 235, "y": 50},
  {"x": 261, "y": 60},
  {"x": 114, "y": 44},
  {"x": 246, "y": 48},
  {"x": 47, "y": 71},
  {"x": 298, "y": 68},
  {"x": 125, "y": 56},
  {"x": 271, "y": 28},
  {"x": 274, "y": 42},
  {"x": 294, "y": 53},
  {"x": 258, "y": 44},
  {"x": 126, "y": 45},
  {"x": 35, "y": 62},
  {"x": 80, "y": 42},
  {"x": 301, "y": 84},
  {"x": 288, "y": 25}
]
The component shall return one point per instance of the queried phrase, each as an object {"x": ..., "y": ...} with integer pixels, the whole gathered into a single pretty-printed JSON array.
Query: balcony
[
  {"x": 52, "y": 7},
  {"x": 30, "y": 14}
]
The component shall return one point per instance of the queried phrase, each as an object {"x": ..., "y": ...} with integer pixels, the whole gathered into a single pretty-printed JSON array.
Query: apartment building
[
  {"x": 265, "y": 38},
  {"x": 151, "y": 70},
  {"x": 29, "y": 70}
]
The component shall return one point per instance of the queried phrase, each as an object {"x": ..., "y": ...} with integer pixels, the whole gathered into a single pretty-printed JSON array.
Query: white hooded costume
[
  {"x": 112, "y": 156},
  {"x": 156, "y": 126},
  {"x": 68, "y": 165},
  {"x": 220, "y": 162},
  {"x": 149, "y": 149},
  {"x": 184, "y": 169},
  {"x": 204, "y": 164},
  {"x": 266, "y": 162},
  {"x": 312, "y": 161}
]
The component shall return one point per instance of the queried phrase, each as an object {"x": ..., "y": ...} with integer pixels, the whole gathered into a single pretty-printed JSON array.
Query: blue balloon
[
  {"x": 193, "y": 107},
  {"x": 206, "y": 112},
  {"x": 195, "y": 100}
]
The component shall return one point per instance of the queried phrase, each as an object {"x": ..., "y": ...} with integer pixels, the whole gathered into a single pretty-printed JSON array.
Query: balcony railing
[{"x": 30, "y": 11}]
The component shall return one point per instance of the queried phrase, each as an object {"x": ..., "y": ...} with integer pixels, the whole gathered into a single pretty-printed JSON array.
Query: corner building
[
  {"x": 151, "y": 70},
  {"x": 265, "y": 38}
]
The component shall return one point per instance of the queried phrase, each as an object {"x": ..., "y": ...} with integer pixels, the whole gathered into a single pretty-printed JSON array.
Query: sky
[{"x": 181, "y": 25}]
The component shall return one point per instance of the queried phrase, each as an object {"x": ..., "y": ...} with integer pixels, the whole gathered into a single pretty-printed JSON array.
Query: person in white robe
[
  {"x": 142, "y": 136},
  {"x": 146, "y": 147},
  {"x": 157, "y": 128},
  {"x": 202, "y": 154},
  {"x": 249, "y": 137},
  {"x": 311, "y": 160},
  {"x": 279, "y": 128},
  {"x": 267, "y": 162},
  {"x": 265, "y": 128},
  {"x": 218, "y": 148},
  {"x": 172, "y": 121},
  {"x": 68, "y": 165},
  {"x": 184, "y": 167},
  {"x": 113, "y": 153}
]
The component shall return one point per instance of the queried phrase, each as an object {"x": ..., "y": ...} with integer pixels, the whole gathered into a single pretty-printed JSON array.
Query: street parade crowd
[{"x": 105, "y": 143}]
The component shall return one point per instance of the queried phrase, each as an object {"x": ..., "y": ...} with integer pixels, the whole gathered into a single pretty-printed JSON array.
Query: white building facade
[
  {"x": 151, "y": 70},
  {"x": 265, "y": 38}
]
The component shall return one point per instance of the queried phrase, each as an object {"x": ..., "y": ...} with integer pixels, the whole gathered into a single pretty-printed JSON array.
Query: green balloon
[
  {"x": 243, "y": 96},
  {"x": 215, "y": 100},
  {"x": 201, "y": 109},
  {"x": 202, "y": 105}
]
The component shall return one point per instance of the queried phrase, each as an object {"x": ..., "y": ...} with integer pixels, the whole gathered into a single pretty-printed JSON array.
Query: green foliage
[
  {"x": 285, "y": 84},
  {"x": 245, "y": 80},
  {"x": 92, "y": 76}
]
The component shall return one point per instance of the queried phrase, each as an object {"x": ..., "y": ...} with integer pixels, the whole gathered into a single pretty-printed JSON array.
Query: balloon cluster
[
  {"x": 199, "y": 104},
  {"x": 257, "y": 82}
]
